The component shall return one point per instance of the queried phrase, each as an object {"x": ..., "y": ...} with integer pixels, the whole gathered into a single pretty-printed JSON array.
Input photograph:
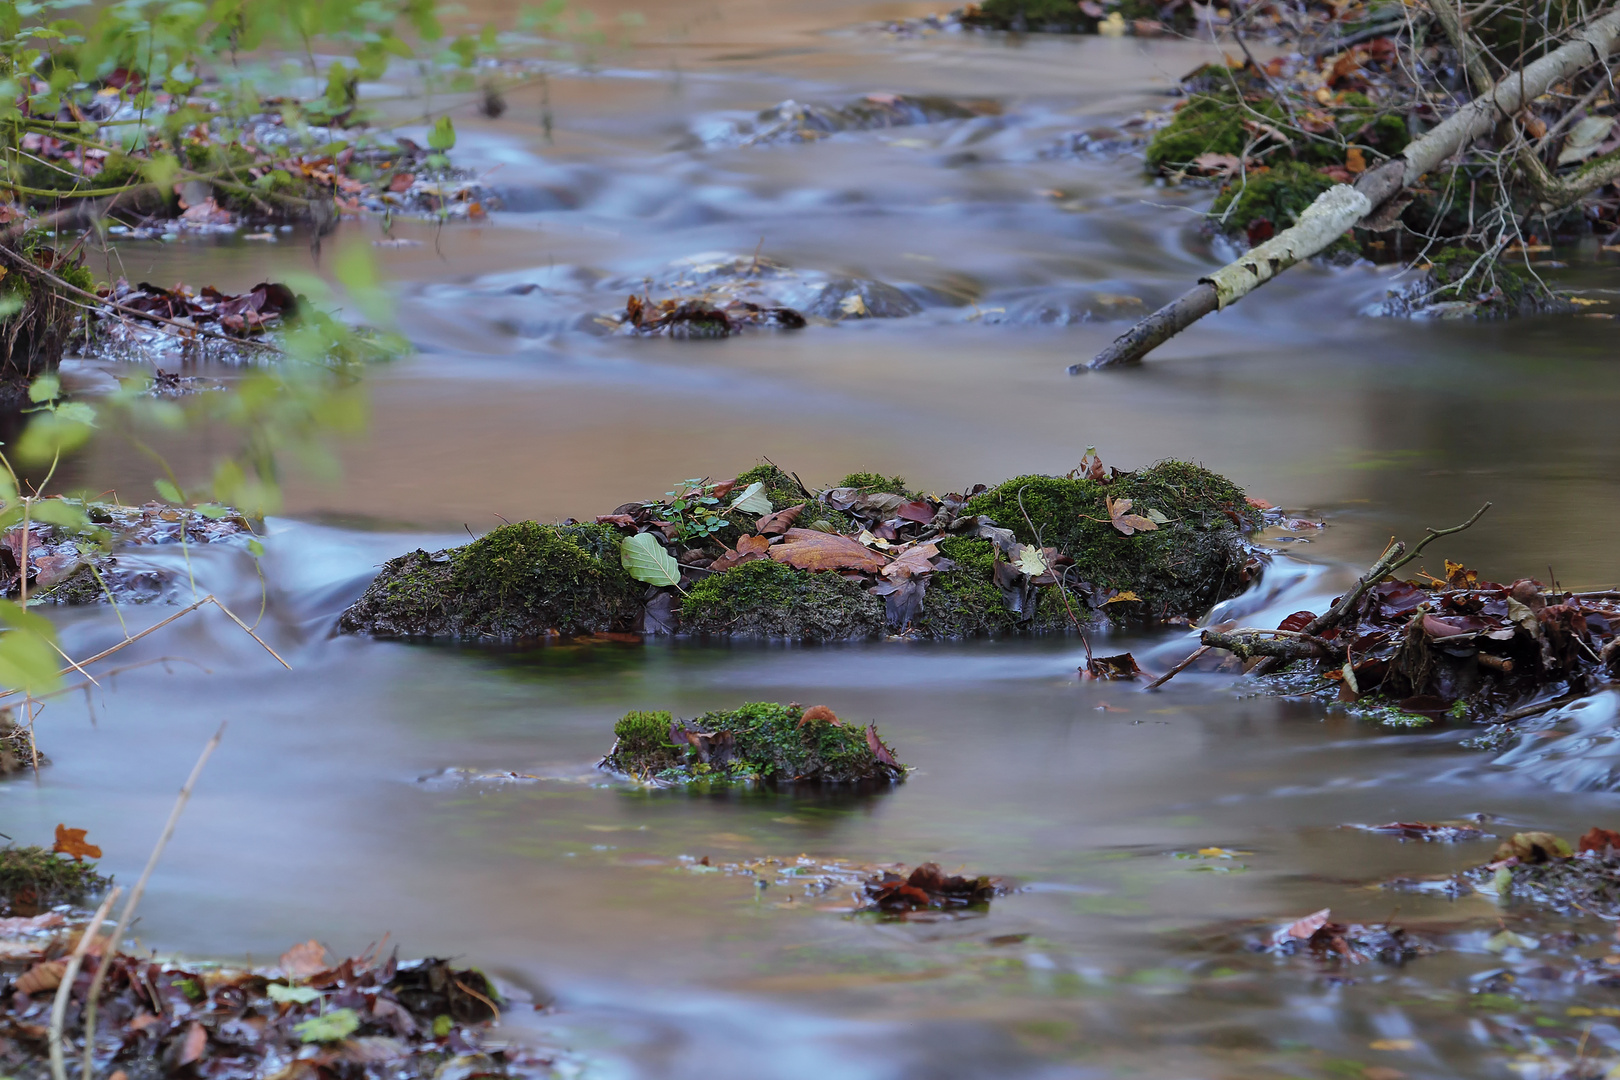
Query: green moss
[
  {"x": 1209, "y": 123},
  {"x": 1491, "y": 288},
  {"x": 1053, "y": 16},
  {"x": 33, "y": 879},
  {"x": 524, "y": 580},
  {"x": 1182, "y": 568},
  {"x": 761, "y": 741},
  {"x": 871, "y": 481},
  {"x": 770, "y": 600}
]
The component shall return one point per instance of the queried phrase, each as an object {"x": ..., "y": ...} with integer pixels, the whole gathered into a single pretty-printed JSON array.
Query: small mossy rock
[
  {"x": 871, "y": 481},
  {"x": 1461, "y": 283},
  {"x": 765, "y": 599},
  {"x": 782, "y": 489},
  {"x": 761, "y": 742},
  {"x": 1211, "y": 122},
  {"x": 34, "y": 879},
  {"x": 1278, "y": 196},
  {"x": 1183, "y": 568},
  {"x": 524, "y": 580}
]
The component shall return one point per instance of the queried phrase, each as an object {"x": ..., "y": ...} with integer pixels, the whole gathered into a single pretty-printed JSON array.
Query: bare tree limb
[{"x": 1375, "y": 186}]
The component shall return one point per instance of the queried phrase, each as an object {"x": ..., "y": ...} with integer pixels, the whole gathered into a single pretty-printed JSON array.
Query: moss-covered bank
[
  {"x": 761, "y": 742},
  {"x": 1463, "y": 283},
  {"x": 986, "y": 576},
  {"x": 33, "y": 879}
]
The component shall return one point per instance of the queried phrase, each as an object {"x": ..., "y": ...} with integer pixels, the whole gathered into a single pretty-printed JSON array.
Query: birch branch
[{"x": 1313, "y": 233}]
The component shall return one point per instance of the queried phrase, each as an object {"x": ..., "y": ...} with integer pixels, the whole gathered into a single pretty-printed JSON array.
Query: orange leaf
[
  {"x": 302, "y": 961},
  {"x": 1355, "y": 161},
  {"x": 1309, "y": 925},
  {"x": 807, "y": 549},
  {"x": 71, "y": 842},
  {"x": 749, "y": 549},
  {"x": 776, "y": 524},
  {"x": 819, "y": 712},
  {"x": 41, "y": 977}
]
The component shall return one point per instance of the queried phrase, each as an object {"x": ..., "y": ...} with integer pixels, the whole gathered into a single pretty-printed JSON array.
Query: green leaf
[
  {"x": 169, "y": 492},
  {"x": 442, "y": 1025},
  {"x": 301, "y": 995},
  {"x": 50, "y": 434},
  {"x": 76, "y": 412},
  {"x": 645, "y": 559},
  {"x": 44, "y": 388},
  {"x": 161, "y": 169},
  {"x": 1157, "y": 517},
  {"x": 443, "y": 135},
  {"x": 752, "y": 499},
  {"x": 61, "y": 513},
  {"x": 212, "y": 511},
  {"x": 256, "y": 549},
  {"x": 328, "y": 1027},
  {"x": 27, "y": 660}
]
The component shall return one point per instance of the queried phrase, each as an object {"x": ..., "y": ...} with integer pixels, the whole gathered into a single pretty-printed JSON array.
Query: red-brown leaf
[
  {"x": 922, "y": 511},
  {"x": 302, "y": 961},
  {"x": 807, "y": 549},
  {"x": 778, "y": 523},
  {"x": 71, "y": 842},
  {"x": 879, "y": 751},
  {"x": 1303, "y": 929},
  {"x": 196, "y": 1042},
  {"x": 1298, "y": 621}
]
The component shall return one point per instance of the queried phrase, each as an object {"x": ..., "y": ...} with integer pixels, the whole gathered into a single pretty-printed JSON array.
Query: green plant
[{"x": 693, "y": 509}]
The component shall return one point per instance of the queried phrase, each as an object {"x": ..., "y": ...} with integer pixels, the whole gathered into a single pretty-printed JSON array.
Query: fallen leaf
[
  {"x": 749, "y": 549},
  {"x": 302, "y": 961},
  {"x": 914, "y": 562},
  {"x": 1127, "y": 595},
  {"x": 819, "y": 712},
  {"x": 195, "y": 1043},
  {"x": 778, "y": 523},
  {"x": 328, "y": 1027},
  {"x": 1355, "y": 162},
  {"x": 71, "y": 842},
  {"x": 1121, "y": 666},
  {"x": 41, "y": 977},
  {"x": 1218, "y": 165},
  {"x": 1392, "y": 1044},
  {"x": 282, "y": 993},
  {"x": 853, "y": 304},
  {"x": 1598, "y": 840},
  {"x": 809, "y": 549},
  {"x": 1127, "y": 523},
  {"x": 879, "y": 750},
  {"x": 14, "y": 926},
  {"x": 753, "y": 500},
  {"x": 1532, "y": 847},
  {"x": 922, "y": 511},
  {"x": 1031, "y": 561},
  {"x": 1303, "y": 929},
  {"x": 645, "y": 559}
]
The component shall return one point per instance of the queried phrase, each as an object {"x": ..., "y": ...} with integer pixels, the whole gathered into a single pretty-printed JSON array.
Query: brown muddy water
[{"x": 345, "y": 802}]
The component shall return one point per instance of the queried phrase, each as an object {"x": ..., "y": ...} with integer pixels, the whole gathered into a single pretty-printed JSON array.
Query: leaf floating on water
[
  {"x": 1419, "y": 830},
  {"x": 645, "y": 559},
  {"x": 71, "y": 842}
]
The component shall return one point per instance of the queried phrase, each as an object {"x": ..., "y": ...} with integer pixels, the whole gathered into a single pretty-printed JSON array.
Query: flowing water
[{"x": 362, "y": 792}]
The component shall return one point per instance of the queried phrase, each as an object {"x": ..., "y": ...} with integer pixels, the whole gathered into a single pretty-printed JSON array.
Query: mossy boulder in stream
[
  {"x": 866, "y": 559},
  {"x": 518, "y": 581},
  {"x": 761, "y": 742},
  {"x": 1461, "y": 283},
  {"x": 34, "y": 879}
]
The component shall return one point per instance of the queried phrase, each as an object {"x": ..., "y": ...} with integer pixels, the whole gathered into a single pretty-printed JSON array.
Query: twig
[
  {"x": 1179, "y": 668},
  {"x": 134, "y": 900},
  {"x": 1435, "y": 534},
  {"x": 249, "y": 631},
  {"x": 70, "y": 975}
]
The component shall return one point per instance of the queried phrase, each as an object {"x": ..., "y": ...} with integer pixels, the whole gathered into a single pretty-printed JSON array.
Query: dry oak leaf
[
  {"x": 1121, "y": 518},
  {"x": 807, "y": 549},
  {"x": 819, "y": 712},
  {"x": 302, "y": 961},
  {"x": 1303, "y": 929},
  {"x": 71, "y": 842},
  {"x": 778, "y": 523},
  {"x": 41, "y": 977}
]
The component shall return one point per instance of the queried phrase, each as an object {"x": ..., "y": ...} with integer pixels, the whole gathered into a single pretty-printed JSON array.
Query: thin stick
[
  {"x": 70, "y": 974},
  {"x": 250, "y": 633},
  {"x": 135, "y": 899},
  {"x": 1179, "y": 668}
]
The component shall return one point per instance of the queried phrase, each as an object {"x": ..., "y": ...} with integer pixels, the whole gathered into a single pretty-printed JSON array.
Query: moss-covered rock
[
  {"x": 1463, "y": 283},
  {"x": 1066, "y": 17},
  {"x": 1276, "y": 196},
  {"x": 36, "y": 316},
  {"x": 1183, "y": 568},
  {"x": 33, "y": 879},
  {"x": 761, "y": 742},
  {"x": 1212, "y": 122},
  {"x": 766, "y": 599},
  {"x": 519, "y": 581}
]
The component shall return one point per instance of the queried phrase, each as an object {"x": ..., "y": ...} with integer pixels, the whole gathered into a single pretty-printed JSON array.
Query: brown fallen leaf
[
  {"x": 807, "y": 549},
  {"x": 1127, "y": 523},
  {"x": 1304, "y": 929},
  {"x": 1218, "y": 165},
  {"x": 819, "y": 712},
  {"x": 778, "y": 523},
  {"x": 42, "y": 977},
  {"x": 71, "y": 842},
  {"x": 196, "y": 1041},
  {"x": 401, "y": 182},
  {"x": 922, "y": 511},
  {"x": 879, "y": 751},
  {"x": 1123, "y": 666},
  {"x": 913, "y": 563},
  {"x": 302, "y": 961},
  {"x": 749, "y": 549},
  {"x": 624, "y": 521},
  {"x": 1598, "y": 840}
]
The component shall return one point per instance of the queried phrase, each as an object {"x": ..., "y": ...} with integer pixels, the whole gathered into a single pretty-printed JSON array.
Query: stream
[{"x": 447, "y": 795}]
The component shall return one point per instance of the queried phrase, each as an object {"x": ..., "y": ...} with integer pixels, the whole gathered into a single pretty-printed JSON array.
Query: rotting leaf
[
  {"x": 749, "y": 549},
  {"x": 1304, "y": 929},
  {"x": 1599, "y": 840},
  {"x": 1121, "y": 518},
  {"x": 753, "y": 500},
  {"x": 44, "y": 976},
  {"x": 879, "y": 749},
  {"x": 778, "y": 523},
  {"x": 72, "y": 842},
  {"x": 196, "y": 1041},
  {"x": 1531, "y": 848},
  {"x": 1119, "y": 667}
]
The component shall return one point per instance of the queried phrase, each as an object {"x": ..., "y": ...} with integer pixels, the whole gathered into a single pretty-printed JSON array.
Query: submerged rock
[
  {"x": 860, "y": 560},
  {"x": 1460, "y": 283},
  {"x": 793, "y": 122},
  {"x": 761, "y": 742}
]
